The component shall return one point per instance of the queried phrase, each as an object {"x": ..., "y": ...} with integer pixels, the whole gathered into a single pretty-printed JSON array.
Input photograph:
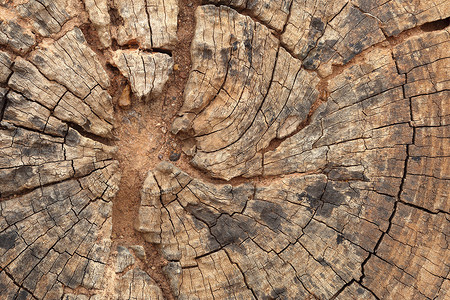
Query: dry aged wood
[
  {"x": 48, "y": 17},
  {"x": 150, "y": 23},
  {"x": 58, "y": 172},
  {"x": 309, "y": 144},
  {"x": 248, "y": 95},
  {"x": 147, "y": 72},
  {"x": 99, "y": 16}
]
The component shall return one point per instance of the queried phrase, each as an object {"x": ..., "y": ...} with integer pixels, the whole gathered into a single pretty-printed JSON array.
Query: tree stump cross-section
[{"x": 224, "y": 149}]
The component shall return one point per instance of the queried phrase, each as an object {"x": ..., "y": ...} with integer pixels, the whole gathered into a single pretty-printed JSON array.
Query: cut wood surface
[{"x": 228, "y": 149}]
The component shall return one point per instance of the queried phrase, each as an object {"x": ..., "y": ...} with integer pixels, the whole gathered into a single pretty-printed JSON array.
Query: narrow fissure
[
  {"x": 3, "y": 104},
  {"x": 141, "y": 133},
  {"x": 143, "y": 139},
  {"x": 436, "y": 25}
]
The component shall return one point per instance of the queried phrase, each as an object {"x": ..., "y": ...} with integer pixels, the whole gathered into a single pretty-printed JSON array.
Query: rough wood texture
[
  {"x": 379, "y": 141},
  {"x": 251, "y": 91},
  {"x": 316, "y": 150},
  {"x": 153, "y": 24},
  {"x": 147, "y": 72}
]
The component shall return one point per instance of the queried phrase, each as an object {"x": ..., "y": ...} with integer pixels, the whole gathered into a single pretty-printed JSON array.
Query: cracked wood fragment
[
  {"x": 100, "y": 18},
  {"x": 365, "y": 107},
  {"x": 347, "y": 34},
  {"x": 51, "y": 237},
  {"x": 31, "y": 159},
  {"x": 422, "y": 58},
  {"x": 136, "y": 284},
  {"x": 398, "y": 16},
  {"x": 278, "y": 236},
  {"x": 48, "y": 17},
  {"x": 307, "y": 23},
  {"x": 93, "y": 113},
  {"x": 416, "y": 255},
  {"x": 16, "y": 37},
  {"x": 124, "y": 259},
  {"x": 24, "y": 113},
  {"x": 5, "y": 66},
  {"x": 324, "y": 33},
  {"x": 152, "y": 24},
  {"x": 72, "y": 63},
  {"x": 146, "y": 72},
  {"x": 251, "y": 92},
  {"x": 271, "y": 13}
]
